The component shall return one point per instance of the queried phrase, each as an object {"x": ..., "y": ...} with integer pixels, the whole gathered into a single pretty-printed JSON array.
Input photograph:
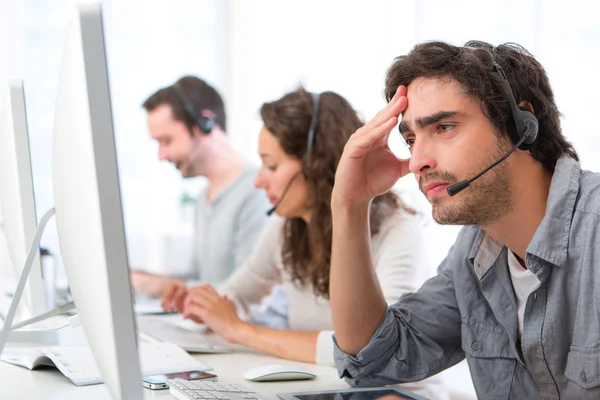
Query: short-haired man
[
  {"x": 519, "y": 292},
  {"x": 188, "y": 121}
]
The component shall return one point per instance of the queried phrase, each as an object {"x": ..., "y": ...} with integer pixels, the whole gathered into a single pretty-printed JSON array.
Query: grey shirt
[
  {"x": 469, "y": 309},
  {"x": 228, "y": 227}
]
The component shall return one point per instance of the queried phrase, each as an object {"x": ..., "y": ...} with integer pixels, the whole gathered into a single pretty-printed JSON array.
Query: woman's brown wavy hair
[{"x": 307, "y": 247}]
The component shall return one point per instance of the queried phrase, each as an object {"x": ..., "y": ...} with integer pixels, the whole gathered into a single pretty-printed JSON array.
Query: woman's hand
[
  {"x": 204, "y": 304},
  {"x": 174, "y": 296}
]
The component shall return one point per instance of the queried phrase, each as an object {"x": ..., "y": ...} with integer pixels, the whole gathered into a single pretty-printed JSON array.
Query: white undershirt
[{"x": 524, "y": 283}]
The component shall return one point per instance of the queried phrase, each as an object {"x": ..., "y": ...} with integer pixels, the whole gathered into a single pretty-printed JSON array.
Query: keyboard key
[{"x": 207, "y": 390}]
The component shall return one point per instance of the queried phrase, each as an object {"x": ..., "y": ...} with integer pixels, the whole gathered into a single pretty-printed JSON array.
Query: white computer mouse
[{"x": 282, "y": 372}]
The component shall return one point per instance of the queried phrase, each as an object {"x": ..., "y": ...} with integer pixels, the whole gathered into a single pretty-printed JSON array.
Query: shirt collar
[{"x": 551, "y": 239}]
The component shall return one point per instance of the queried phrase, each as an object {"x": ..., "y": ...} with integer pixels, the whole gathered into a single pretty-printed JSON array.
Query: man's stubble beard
[{"x": 484, "y": 202}]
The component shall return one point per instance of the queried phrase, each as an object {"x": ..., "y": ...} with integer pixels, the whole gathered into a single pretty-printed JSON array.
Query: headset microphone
[
  {"x": 460, "y": 186},
  {"x": 310, "y": 141},
  {"x": 287, "y": 188},
  {"x": 525, "y": 132}
]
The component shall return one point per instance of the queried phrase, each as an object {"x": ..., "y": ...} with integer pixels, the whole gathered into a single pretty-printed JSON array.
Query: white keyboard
[
  {"x": 186, "y": 390},
  {"x": 166, "y": 330}
]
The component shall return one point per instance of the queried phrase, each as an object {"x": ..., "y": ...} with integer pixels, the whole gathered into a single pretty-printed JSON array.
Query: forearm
[
  {"x": 152, "y": 285},
  {"x": 291, "y": 345},
  {"x": 357, "y": 303}
]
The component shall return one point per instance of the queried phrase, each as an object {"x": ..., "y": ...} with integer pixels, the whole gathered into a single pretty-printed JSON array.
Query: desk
[{"x": 21, "y": 383}]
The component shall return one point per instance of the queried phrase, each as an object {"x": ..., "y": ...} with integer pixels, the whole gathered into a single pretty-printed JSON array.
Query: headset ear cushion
[
  {"x": 205, "y": 124},
  {"x": 528, "y": 125}
]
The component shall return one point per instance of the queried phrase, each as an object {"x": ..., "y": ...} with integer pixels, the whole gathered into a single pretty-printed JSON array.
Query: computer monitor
[
  {"x": 87, "y": 201},
  {"x": 17, "y": 204}
]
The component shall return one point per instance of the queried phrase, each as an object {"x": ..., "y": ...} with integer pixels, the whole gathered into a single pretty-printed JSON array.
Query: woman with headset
[{"x": 300, "y": 145}]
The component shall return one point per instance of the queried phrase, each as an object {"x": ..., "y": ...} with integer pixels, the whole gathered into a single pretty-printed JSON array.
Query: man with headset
[
  {"x": 188, "y": 121},
  {"x": 519, "y": 292}
]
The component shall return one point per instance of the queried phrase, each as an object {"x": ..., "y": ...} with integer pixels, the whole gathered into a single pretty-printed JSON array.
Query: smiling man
[
  {"x": 188, "y": 121},
  {"x": 518, "y": 294}
]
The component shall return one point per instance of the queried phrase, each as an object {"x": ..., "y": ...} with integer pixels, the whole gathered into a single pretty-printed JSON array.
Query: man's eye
[
  {"x": 272, "y": 168},
  {"x": 445, "y": 127},
  {"x": 410, "y": 142}
]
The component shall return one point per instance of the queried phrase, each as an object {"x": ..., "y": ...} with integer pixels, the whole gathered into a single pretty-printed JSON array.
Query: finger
[
  {"x": 179, "y": 298},
  {"x": 199, "y": 299},
  {"x": 172, "y": 296},
  {"x": 392, "y": 100},
  {"x": 206, "y": 291},
  {"x": 205, "y": 299},
  {"x": 385, "y": 122},
  {"x": 198, "y": 320},
  {"x": 369, "y": 137},
  {"x": 168, "y": 296},
  {"x": 383, "y": 141},
  {"x": 194, "y": 312},
  {"x": 361, "y": 145},
  {"x": 200, "y": 288},
  {"x": 396, "y": 105},
  {"x": 402, "y": 90},
  {"x": 393, "y": 109},
  {"x": 211, "y": 289},
  {"x": 188, "y": 299}
]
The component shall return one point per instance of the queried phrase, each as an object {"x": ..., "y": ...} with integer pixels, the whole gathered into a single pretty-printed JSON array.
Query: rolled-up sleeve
[{"x": 418, "y": 337}]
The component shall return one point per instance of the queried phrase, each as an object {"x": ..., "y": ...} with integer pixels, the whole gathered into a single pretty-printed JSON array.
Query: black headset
[
  {"x": 206, "y": 124},
  {"x": 525, "y": 122},
  {"x": 523, "y": 133},
  {"x": 310, "y": 141}
]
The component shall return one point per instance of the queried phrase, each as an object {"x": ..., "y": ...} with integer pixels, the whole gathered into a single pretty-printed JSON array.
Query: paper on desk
[
  {"x": 166, "y": 358},
  {"x": 26, "y": 357},
  {"x": 78, "y": 364}
]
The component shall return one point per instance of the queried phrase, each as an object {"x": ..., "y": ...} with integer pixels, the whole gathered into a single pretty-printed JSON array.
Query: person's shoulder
[
  {"x": 246, "y": 180},
  {"x": 468, "y": 235},
  {"x": 273, "y": 229},
  {"x": 406, "y": 216},
  {"x": 249, "y": 173},
  {"x": 400, "y": 223},
  {"x": 589, "y": 192},
  {"x": 246, "y": 194}
]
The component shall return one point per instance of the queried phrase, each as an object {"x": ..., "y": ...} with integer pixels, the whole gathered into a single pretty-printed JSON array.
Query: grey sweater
[{"x": 227, "y": 228}]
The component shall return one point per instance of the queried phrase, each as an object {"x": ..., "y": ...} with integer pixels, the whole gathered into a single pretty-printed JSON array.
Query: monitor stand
[{"x": 47, "y": 334}]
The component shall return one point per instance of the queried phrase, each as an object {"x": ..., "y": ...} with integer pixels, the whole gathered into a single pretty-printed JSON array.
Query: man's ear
[
  {"x": 526, "y": 105},
  {"x": 196, "y": 132}
]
